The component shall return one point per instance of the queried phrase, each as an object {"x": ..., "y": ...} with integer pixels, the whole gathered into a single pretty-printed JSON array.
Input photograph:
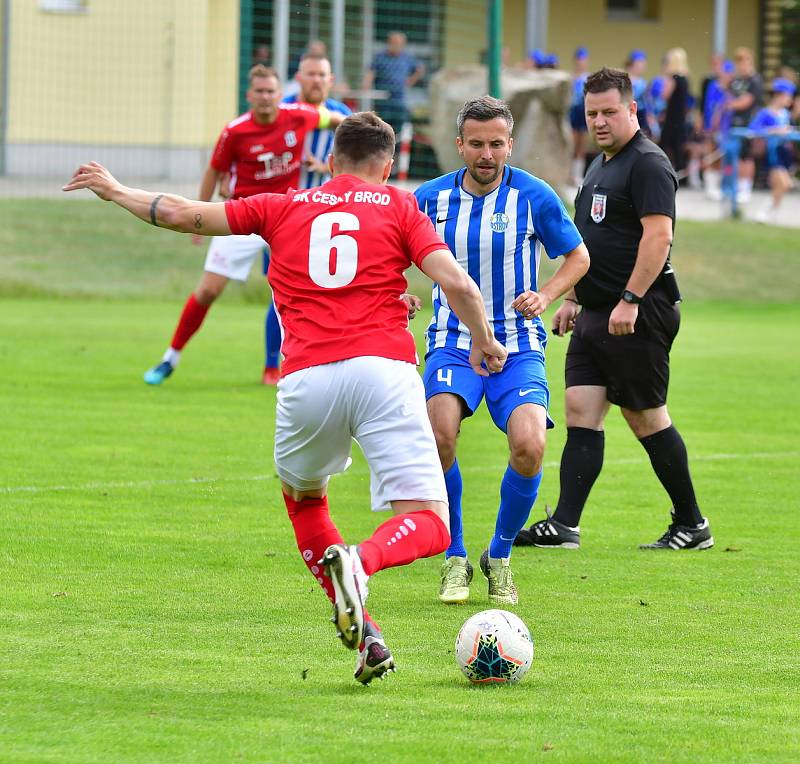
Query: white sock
[
  {"x": 498, "y": 562},
  {"x": 712, "y": 180},
  {"x": 577, "y": 169},
  {"x": 172, "y": 357},
  {"x": 694, "y": 173}
]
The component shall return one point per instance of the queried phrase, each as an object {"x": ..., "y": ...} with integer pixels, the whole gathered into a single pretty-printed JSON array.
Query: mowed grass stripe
[{"x": 356, "y": 470}]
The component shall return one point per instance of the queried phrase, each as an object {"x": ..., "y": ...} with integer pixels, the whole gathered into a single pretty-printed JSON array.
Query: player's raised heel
[
  {"x": 158, "y": 374},
  {"x": 344, "y": 569}
]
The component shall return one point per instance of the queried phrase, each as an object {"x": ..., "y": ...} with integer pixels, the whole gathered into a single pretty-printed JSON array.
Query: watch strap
[{"x": 630, "y": 297}]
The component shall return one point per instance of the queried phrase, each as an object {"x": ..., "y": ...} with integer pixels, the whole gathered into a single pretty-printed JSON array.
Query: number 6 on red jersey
[{"x": 325, "y": 270}]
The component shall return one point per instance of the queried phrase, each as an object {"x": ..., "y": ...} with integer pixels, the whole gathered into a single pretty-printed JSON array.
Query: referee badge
[
  {"x": 498, "y": 222},
  {"x": 599, "y": 207}
]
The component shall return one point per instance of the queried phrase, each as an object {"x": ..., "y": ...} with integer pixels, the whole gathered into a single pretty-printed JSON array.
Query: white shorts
[
  {"x": 379, "y": 403},
  {"x": 233, "y": 256}
]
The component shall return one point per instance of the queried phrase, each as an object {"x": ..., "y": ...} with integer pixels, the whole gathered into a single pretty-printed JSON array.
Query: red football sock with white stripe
[
  {"x": 315, "y": 532},
  {"x": 190, "y": 321},
  {"x": 403, "y": 539}
]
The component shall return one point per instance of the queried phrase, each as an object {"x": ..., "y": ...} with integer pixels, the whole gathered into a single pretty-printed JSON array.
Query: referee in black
[{"x": 624, "y": 316}]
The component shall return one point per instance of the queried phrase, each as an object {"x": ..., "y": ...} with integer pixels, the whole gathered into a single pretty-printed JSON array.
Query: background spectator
[
  {"x": 677, "y": 103},
  {"x": 775, "y": 121},
  {"x": 635, "y": 66},
  {"x": 577, "y": 118},
  {"x": 394, "y": 70},
  {"x": 261, "y": 55},
  {"x": 746, "y": 91},
  {"x": 714, "y": 116}
]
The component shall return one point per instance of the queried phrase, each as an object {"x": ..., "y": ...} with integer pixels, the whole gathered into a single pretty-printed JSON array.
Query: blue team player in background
[
  {"x": 315, "y": 79},
  {"x": 635, "y": 66},
  {"x": 496, "y": 220},
  {"x": 773, "y": 122},
  {"x": 577, "y": 118}
]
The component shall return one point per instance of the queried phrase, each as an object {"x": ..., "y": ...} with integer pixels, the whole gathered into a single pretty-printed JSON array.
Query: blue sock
[
  {"x": 452, "y": 481},
  {"x": 517, "y": 494},
  {"x": 272, "y": 338}
]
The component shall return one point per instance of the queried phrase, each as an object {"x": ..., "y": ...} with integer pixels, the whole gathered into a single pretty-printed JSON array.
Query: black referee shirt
[{"x": 615, "y": 195}]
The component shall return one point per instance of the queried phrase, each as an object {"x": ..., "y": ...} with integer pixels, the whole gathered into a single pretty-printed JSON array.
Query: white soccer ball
[{"x": 494, "y": 646}]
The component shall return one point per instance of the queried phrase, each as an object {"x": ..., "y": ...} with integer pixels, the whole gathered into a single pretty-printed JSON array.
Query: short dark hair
[
  {"x": 259, "y": 70},
  {"x": 484, "y": 109},
  {"x": 609, "y": 79},
  {"x": 363, "y": 137}
]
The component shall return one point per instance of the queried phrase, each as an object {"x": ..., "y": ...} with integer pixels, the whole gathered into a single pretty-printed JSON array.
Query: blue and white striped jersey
[
  {"x": 497, "y": 239},
  {"x": 319, "y": 143}
]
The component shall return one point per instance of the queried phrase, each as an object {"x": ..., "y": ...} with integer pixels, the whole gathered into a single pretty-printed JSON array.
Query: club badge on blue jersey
[
  {"x": 599, "y": 207},
  {"x": 499, "y": 239},
  {"x": 498, "y": 222}
]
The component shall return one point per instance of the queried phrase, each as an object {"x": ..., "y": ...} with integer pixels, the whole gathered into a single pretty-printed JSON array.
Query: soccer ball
[{"x": 494, "y": 646}]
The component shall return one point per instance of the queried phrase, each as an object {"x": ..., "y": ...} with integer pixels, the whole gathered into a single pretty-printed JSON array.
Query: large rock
[{"x": 539, "y": 101}]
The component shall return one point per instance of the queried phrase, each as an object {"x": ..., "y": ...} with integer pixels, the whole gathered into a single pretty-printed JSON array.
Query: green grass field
[{"x": 153, "y": 606}]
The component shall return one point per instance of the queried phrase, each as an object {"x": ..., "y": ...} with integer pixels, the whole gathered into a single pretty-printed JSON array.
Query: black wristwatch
[{"x": 630, "y": 297}]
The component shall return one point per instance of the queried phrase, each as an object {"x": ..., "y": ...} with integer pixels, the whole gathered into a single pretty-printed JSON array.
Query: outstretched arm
[{"x": 162, "y": 210}]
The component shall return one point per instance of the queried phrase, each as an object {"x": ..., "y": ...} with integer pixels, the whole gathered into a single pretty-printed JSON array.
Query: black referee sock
[
  {"x": 667, "y": 453},
  {"x": 581, "y": 462}
]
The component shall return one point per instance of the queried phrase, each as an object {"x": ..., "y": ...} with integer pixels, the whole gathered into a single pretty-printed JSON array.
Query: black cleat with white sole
[
  {"x": 343, "y": 567},
  {"x": 549, "y": 533},
  {"x": 679, "y": 537},
  {"x": 375, "y": 660}
]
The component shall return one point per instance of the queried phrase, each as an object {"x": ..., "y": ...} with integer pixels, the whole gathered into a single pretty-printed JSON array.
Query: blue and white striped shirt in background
[
  {"x": 498, "y": 240},
  {"x": 319, "y": 143}
]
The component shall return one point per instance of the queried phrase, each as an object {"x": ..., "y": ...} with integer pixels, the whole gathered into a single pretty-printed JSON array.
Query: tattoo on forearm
[
  {"x": 153, "y": 206},
  {"x": 198, "y": 221}
]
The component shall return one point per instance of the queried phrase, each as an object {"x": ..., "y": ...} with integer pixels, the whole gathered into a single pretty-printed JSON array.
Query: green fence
[
  {"x": 146, "y": 87},
  {"x": 356, "y": 36}
]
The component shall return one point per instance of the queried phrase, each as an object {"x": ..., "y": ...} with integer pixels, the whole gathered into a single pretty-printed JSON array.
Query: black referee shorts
[
  {"x": 634, "y": 368},
  {"x": 746, "y": 149}
]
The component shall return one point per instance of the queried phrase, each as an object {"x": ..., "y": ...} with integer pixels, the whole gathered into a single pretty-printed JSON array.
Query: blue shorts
[
  {"x": 521, "y": 381},
  {"x": 778, "y": 156},
  {"x": 577, "y": 118}
]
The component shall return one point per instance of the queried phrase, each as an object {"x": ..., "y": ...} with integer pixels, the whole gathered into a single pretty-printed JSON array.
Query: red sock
[
  {"x": 315, "y": 532},
  {"x": 191, "y": 318},
  {"x": 403, "y": 539}
]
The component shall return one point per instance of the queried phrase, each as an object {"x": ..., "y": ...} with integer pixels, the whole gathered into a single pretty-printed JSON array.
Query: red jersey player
[
  {"x": 338, "y": 257},
  {"x": 262, "y": 151}
]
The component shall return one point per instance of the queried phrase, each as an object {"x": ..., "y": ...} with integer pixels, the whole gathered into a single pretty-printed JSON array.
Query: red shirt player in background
[
  {"x": 261, "y": 151},
  {"x": 338, "y": 257}
]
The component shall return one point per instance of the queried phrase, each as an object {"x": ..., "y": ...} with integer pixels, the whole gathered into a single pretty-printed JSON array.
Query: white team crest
[
  {"x": 290, "y": 138},
  {"x": 599, "y": 207},
  {"x": 498, "y": 222}
]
